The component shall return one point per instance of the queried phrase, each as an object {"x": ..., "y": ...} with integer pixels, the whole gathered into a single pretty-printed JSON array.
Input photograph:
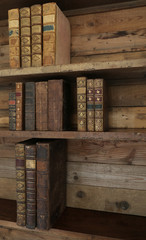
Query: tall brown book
[
  {"x": 30, "y": 155},
  {"x": 81, "y": 104},
  {"x": 36, "y": 30},
  {"x": 25, "y": 37},
  {"x": 51, "y": 182},
  {"x": 30, "y": 106},
  {"x": 56, "y": 36},
  {"x": 42, "y": 106},
  {"x": 14, "y": 38},
  {"x": 90, "y": 105},
  {"x": 19, "y": 106}
]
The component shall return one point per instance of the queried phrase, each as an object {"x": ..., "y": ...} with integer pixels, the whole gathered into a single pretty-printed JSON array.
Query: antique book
[
  {"x": 36, "y": 33},
  {"x": 56, "y": 36},
  {"x": 51, "y": 181},
  {"x": 30, "y": 155},
  {"x": 30, "y": 106},
  {"x": 12, "y": 111},
  {"x": 90, "y": 105},
  {"x": 81, "y": 104},
  {"x": 14, "y": 38},
  {"x": 41, "y": 106},
  {"x": 58, "y": 103},
  {"x": 19, "y": 106},
  {"x": 100, "y": 97},
  {"x": 25, "y": 37}
]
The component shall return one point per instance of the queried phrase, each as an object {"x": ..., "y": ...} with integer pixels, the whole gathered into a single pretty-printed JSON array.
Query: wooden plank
[
  {"x": 10, "y": 140},
  {"x": 4, "y": 57},
  {"x": 4, "y": 34},
  {"x": 4, "y": 118},
  {"x": 106, "y": 199},
  {"x": 106, "y": 175},
  {"x": 4, "y": 96},
  {"x": 8, "y": 210},
  {"x": 7, "y": 151},
  {"x": 7, "y": 168},
  {"x": 127, "y": 153},
  {"x": 8, "y": 188},
  {"x": 127, "y": 117}
]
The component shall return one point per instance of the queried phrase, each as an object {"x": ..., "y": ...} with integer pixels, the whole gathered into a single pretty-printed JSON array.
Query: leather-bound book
[
  {"x": 12, "y": 111},
  {"x": 25, "y": 37},
  {"x": 14, "y": 38},
  {"x": 51, "y": 182},
  {"x": 41, "y": 106},
  {"x": 36, "y": 32},
  {"x": 30, "y": 155},
  {"x": 30, "y": 106},
  {"x": 56, "y": 36},
  {"x": 81, "y": 104},
  {"x": 90, "y": 105},
  {"x": 57, "y": 105},
  {"x": 19, "y": 106},
  {"x": 100, "y": 105}
]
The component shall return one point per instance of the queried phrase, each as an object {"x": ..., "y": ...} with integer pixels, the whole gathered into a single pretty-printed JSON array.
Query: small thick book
[
  {"x": 36, "y": 33},
  {"x": 41, "y": 106},
  {"x": 51, "y": 181},
  {"x": 90, "y": 105},
  {"x": 19, "y": 106},
  {"x": 25, "y": 37},
  {"x": 12, "y": 111},
  {"x": 14, "y": 38},
  {"x": 56, "y": 36},
  {"x": 30, "y": 106},
  {"x": 81, "y": 104}
]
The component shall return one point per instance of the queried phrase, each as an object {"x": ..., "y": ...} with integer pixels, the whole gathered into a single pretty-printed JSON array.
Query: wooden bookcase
[{"x": 106, "y": 171}]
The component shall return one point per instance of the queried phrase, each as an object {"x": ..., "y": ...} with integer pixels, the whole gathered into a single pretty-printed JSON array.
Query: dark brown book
[
  {"x": 41, "y": 106},
  {"x": 30, "y": 155},
  {"x": 19, "y": 106},
  {"x": 30, "y": 106},
  {"x": 12, "y": 111},
  {"x": 58, "y": 105},
  {"x": 51, "y": 182},
  {"x": 90, "y": 105}
]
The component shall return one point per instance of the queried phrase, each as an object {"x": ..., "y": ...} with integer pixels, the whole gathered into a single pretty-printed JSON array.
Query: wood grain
[
  {"x": 7, "y": 151},
  {"x": 7, "y": 168},
  {"x": 4, "y": 118},
  {"x": 106, "y": 199},
  {"x": 8, "y": 188}
]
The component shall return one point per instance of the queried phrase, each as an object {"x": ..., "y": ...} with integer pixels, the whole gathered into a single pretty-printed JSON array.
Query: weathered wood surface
[
  {"x": 7, "y": 168},
  {"x": 4, "y": 118},
  {"x": 7, "y": 210},
  {"x": 106, "y": 175},
  {"x": 7, "y": 151},
  {"x": 8, "y": 188},
  {"x": 106, "y": 199}
]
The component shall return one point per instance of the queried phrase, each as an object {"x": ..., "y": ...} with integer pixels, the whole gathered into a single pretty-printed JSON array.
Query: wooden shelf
[
  {"x": 118, "y": 134},
  {"x": 108, "y": 70}
]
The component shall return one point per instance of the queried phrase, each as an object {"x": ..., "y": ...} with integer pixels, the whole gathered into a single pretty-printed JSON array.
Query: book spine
[
  {"x": 43, "y": 196},
  {"x": 55, "y": 105},
  {"x": 99, "y": 108},
  {"x": 20, "y": 184},
  {"x": 36, "y": 31},
  {"x": 12, "y": 111},
  {"x": 30, "y": 154},
  {"x": 19, "y": 106},
  {"x": 81, "y": 103},
  {"x": 90, "y": 105},
  {"x": 30, "y": 106},
  {"x": 41, "y": 106},
  {"x": 25, "y": 37},
  {"x": 14, "y": 38},
  {"x": 49, "y": 34}
]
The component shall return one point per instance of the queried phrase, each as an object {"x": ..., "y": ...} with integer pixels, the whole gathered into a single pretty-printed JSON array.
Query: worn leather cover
[
  {"x": 30, "y": 106},
  {"x": 14, "y": 38},
  {"x": 51, "y": 182},
  {"x": 41, "y": 106},
  {"x": 12, "y": 111},
  {"x": 90, "y": 105},
  {"x": 19, "y": 106}
]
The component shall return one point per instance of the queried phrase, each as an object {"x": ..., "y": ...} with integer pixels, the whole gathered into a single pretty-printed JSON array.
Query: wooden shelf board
[
  {"x": 79, "y": 69},
  {"x": 112, "y": 135}
]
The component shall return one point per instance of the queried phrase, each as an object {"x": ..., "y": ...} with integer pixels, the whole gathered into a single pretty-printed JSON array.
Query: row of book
[
  {"x": 39, "y": 106},
  {"x": 91, "y": 104},
  {"x": 40, "y": 182},
  {"x": 39, "y": 35}
]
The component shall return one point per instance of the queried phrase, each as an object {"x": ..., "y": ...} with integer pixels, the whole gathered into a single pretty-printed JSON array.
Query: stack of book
[
  {"x": 91, "y": 104},
  {"x": 40, "y": 106},
  {"x": 40, "y": 182},
  {"x": 39, "y": 35}
]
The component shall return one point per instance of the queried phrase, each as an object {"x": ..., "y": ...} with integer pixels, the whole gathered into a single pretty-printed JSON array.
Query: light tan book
[
  {"x": 56, "y": 36},
  {"x": 36, "y": 31},
  {"x": 14, "y": 38},
  {"x": 25, "y": 37}
]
